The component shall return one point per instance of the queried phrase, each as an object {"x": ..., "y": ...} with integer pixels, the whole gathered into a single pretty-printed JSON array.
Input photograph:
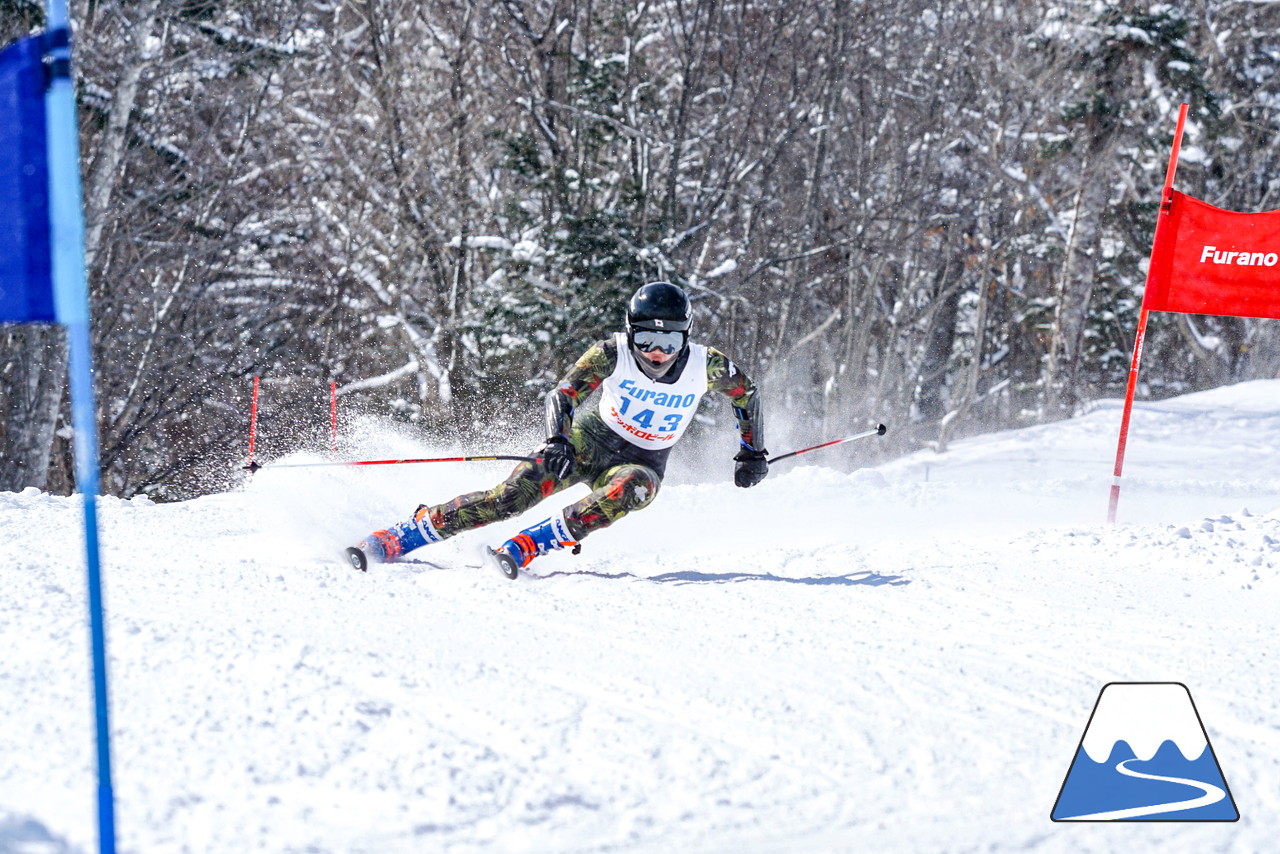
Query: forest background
[{"x": 932, "y": 213}]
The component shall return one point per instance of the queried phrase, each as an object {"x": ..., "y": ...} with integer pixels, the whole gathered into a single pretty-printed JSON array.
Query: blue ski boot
[
  {"x": 546, "y": 536},
  {"x": 387, "y": 545}
]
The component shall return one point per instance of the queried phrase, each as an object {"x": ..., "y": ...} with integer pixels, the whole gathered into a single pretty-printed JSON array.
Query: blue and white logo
[{"x": 1145, "y": 756}]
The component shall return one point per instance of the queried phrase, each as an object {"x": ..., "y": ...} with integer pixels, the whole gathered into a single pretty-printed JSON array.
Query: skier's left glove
[
  {"x": 752, "y": 467},
  {"x": 558, "y": 456}
]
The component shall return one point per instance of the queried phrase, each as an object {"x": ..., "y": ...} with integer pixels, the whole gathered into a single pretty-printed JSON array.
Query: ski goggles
[{"x": 648, "y": 340}]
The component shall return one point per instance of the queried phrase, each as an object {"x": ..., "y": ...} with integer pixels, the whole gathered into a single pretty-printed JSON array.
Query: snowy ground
[{"x": 901, "y": 659}]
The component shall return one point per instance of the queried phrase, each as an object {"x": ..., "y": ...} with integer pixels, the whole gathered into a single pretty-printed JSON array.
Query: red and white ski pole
[
  {"x": 470, "y": 459},
  {"x": 878, "y": 431}
]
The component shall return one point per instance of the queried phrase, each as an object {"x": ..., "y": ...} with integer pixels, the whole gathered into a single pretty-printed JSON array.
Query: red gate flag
[
  {"x": 1209, "y": 261},
  {"x": 1204, "y": 260}
]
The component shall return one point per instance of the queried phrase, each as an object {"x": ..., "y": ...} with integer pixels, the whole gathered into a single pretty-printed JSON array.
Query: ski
[
  {"x": 502, "y": 561},
  {"x": 357, "y": 559}
]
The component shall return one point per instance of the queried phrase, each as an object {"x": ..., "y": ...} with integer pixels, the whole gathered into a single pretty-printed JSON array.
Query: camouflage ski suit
[{"x": 622, "y": 476}]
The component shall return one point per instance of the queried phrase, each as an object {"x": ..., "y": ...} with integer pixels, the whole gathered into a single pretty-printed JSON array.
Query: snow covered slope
[{"x": 901, "y": 659}]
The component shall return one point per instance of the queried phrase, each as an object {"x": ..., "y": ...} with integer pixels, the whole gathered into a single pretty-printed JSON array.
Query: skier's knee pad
[
  {"x": 631, "y": 487},
  {"x": 617, "y": 492}
]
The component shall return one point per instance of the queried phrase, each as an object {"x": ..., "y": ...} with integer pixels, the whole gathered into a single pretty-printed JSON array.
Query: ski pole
[
  {"x": 475, "y": 459},
  {"x": 879, "y": 431}
]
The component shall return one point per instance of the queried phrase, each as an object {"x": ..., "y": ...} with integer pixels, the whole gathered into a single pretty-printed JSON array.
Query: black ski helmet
[
  {"x": 658, "y": 318},
  {"x": 659, "y": 306}
]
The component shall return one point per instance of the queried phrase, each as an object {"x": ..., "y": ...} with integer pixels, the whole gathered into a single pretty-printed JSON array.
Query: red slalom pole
[
  {"x": 879, "y": 431},
  {"x": 1126, "y": 413},
  {"x": 1166, "y": 206},
  {"x": 333, "y": 416},
  {"x": 253, "y": 427}
]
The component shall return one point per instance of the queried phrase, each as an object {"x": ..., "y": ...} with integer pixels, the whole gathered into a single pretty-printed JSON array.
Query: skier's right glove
[
  {"x": 558, "y": 456},
  {"x": 752, "y": 467}
]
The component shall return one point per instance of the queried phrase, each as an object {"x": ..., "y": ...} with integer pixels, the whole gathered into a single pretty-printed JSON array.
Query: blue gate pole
[{"x": 71, "y": 301}]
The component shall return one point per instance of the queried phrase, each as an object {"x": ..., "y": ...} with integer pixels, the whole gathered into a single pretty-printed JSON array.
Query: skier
[{"x": 652, "y": 379}]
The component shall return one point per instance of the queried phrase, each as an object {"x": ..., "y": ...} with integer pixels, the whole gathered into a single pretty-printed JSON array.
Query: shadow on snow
[
  {"x": 872, "y": 579},
  {"x": 852, "y": 579}
]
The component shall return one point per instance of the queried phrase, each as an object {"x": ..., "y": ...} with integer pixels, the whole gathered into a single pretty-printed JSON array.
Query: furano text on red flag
[{"x": 1212, "y": 261}]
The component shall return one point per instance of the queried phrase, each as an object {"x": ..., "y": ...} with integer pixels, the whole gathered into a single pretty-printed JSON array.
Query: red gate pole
[
  {"x": 1124, "y": 418},
  {"x": 333, "y": 416},
  {"x": 1166, "y": 204},
  {"x": 253, "y": 425}
]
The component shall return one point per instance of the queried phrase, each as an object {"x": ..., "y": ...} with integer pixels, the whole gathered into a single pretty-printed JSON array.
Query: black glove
[
  {"x": 558, "y": 456},
  {"x": 752, "y": 466}
]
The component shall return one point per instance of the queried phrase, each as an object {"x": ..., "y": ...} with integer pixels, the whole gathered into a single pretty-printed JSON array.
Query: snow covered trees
[{"x": 934, "y": 213}]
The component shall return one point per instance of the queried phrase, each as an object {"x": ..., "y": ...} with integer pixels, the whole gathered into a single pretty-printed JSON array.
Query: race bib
[{"x": 647, "y": 413}]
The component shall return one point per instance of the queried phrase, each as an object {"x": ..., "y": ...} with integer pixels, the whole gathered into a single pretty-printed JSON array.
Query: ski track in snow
[{"x": 898, "y": 659}]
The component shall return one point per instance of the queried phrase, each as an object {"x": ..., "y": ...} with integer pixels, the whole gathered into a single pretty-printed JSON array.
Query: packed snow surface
[{"x": 900, "y": 659}]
